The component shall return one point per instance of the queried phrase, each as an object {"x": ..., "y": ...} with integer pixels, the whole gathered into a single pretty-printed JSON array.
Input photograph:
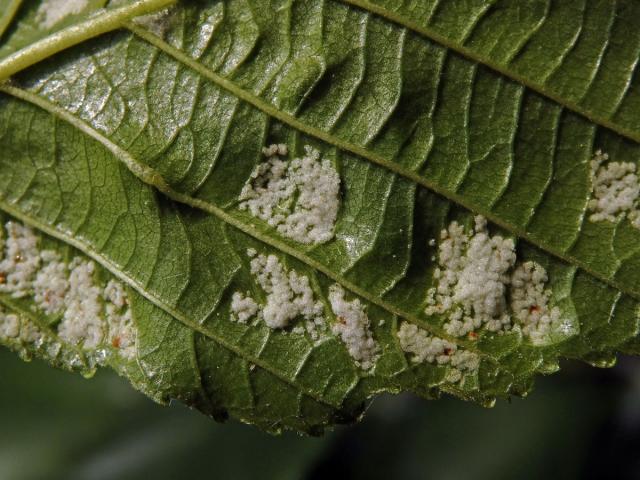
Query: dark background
[{"x": 579, "y": 423}]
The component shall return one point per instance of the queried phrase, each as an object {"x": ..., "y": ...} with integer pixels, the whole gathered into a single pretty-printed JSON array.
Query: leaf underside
[{"x": 127, "y": 143}]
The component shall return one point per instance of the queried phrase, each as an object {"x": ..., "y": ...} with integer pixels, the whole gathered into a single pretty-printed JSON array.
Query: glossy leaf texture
[{"x": 133, "y": 149}]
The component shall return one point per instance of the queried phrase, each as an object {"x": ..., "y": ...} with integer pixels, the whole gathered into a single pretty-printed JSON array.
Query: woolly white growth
[
  {"x": 16, "y": 328},
  {"x": 114, "y": 292},
  {"x": 82, "y": 322},
  {"x": 530, "y": 301},
  {"x": 352, "y": 326},
  {"x": 51, "y": 12},
  {"x": 615, "y": 190},
  {"x": 289, "y": 295},
  {"x": 476, "y": 276},
  {"x": 275, "y": 149},
  {"x": 21, "y": 260},
  {"x": 19, "y": 331},
  {"x": 122, "y": 332},
  {"x": 425, "y": 347},
  {"x": 9, "y": 325},
  {"x": 30, "y": 333},
  {"x": 315, "y": 327},
  {"x": 88, "y": 310},
  {"x": 243, "y": 307},
  {"x": 299, "y": 198},
  {"x": 51, "y": 283},
  {"x": 472, "y": 278}
]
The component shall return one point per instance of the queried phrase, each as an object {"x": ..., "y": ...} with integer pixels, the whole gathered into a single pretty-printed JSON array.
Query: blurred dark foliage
[{"x": 579, "y": 423}]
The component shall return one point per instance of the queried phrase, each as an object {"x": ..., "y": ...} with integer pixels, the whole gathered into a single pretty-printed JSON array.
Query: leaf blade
[{"x": 172, "y": 153}]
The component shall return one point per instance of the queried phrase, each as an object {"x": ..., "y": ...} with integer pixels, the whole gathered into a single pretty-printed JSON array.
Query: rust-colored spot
[
  {"x": 341, "y": 320},
  {"x": 3, "y": 278},
  {"x": 448, "y": 351},
  {"x": 473, "y": 336},
  {"x": 534, "y": 308},
  {"x": 115, "y": 342}
]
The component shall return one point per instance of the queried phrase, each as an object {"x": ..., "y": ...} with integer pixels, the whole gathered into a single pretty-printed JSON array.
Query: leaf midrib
[
  {"x": 360, "y": 151},
  {"x": 470, "y": 54}
]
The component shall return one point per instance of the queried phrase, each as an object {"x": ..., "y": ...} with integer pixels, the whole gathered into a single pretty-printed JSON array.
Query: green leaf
[
  {"x": 143, "y": 150},
  {"x": 41, "y": 29}
]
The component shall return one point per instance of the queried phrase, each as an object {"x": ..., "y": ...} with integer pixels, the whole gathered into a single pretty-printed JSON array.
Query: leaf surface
[{"x": 136, "y": 147}]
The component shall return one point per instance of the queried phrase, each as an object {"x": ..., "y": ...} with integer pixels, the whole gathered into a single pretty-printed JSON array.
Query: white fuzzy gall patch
[
  {"x": 9, "y": 326},
  {"x": 530, "y": 301},
  {"x": 91, "y": 314},
  {"x": 52, "y": 12},
  {"x": 82, "y": 322},
  {"x": 21, "y": 260},
  {"x": 275, "y": 149},
  {"x": 14, "y": 328},
  {"x": 121, "y": 330},
  {"x": 472, "y": 275},
  {"x": 353, "y": 328},
  {"x": 615, "y": 190},
  {"x": 290, "y": 298},
  {"x": 243, "y": 307},
  {"x": 300, "y": 198},
  {"x": 424, "y": 347},
  {"x": 298, "y": 330},
  {"x": 51, "y": 283},
  {"x": 30, "y": 333},
  {"x": 114, "y": 292},
  {"x": 289, "y": 295},
  {"x": 22, "y": 334},
  {"x": 476, "y": 276}
]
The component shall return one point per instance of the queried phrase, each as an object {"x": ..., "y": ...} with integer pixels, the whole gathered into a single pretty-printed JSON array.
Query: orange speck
[
  {"x": 115, "y": 342},
  {"x": 473, "y": 336}
]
